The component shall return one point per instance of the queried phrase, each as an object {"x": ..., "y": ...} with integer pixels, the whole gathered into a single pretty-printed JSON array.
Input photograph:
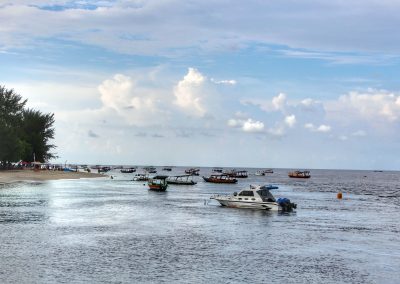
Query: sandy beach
[{"x": 43, "y": 175}]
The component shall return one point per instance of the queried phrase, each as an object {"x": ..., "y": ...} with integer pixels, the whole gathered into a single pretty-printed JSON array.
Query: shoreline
[{"x": 15, "y": 176}]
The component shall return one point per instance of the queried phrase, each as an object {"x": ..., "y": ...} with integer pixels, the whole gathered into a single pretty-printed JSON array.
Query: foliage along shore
[{"x": 25, "y": 133}]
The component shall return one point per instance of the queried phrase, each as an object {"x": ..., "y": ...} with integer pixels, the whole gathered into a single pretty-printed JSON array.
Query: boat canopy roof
[
  {"x": 181, "y": 176},
  {"x": 160, "y": 177}
]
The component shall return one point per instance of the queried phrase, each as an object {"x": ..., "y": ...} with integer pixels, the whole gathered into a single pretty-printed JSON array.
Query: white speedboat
[{"x": 256, "y": 197}]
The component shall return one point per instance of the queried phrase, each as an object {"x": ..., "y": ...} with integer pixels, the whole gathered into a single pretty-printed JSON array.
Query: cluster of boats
[{"x": 254, "y": 196}]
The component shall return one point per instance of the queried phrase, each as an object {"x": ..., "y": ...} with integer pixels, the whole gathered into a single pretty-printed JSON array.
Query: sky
[{"x": 281, "y": 84}]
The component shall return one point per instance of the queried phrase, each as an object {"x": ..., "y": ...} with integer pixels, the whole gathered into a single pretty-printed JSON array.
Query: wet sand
[{"x": 42, "y": 175}]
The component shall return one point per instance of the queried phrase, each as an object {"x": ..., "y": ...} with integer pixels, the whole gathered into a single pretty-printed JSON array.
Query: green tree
[
  {"x": 11, "y": 110},
  {"x": 37, "y": 131}
]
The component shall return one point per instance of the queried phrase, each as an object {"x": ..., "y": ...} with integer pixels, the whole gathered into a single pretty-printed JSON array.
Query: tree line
[{"x": 25, "y": 134}]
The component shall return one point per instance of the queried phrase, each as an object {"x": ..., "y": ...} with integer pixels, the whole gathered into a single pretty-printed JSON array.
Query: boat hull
[
  {"x": 157, "y": 187},
  {"x": 299, "y": 176},
  {"x": 269, "y": 206},
  {"x": 182, "y": 183},
  {"x": 219, "y": 180}
]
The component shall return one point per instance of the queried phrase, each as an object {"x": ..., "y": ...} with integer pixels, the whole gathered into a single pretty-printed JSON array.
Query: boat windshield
[
  {"x": 246, "y": 193},
  {"x": 266, "y": 195}
]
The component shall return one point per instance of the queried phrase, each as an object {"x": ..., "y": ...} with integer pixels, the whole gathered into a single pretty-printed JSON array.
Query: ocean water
[{"x": 116, "y": 231}]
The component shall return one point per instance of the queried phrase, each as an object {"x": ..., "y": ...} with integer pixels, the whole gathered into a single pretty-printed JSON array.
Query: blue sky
[{"x": 296, "y": 84}]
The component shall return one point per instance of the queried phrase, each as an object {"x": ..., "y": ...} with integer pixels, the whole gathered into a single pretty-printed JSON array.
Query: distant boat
[
  {"x": 263, "y": 172},
  {"x": 151, "y": 170},
  {"x": 103, "y": 169},
  {"x": 192, "y": 171},
  {"x": 222, "y": 178},
  {"x": 158, "y": 183},
  {"x": 128, "y": 171},
  {"x": 182, "y": 180},
  {"x": 141, "y": 177},
  {"x": 168, "y": 169},
  {"x": 237, "y": 174},
  {"x": 299, "y": 174},
  {"x": 217, "y": 170}
]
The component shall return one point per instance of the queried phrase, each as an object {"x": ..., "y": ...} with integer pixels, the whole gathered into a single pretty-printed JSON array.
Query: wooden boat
[
  {"x": 299, "y": 174},
  {"x": 192, "y": 171},
  {"x": 182, "y": 180},
  {"x": 141, "y": 177},
  {"x": 217, "y": 170},
  {"x": 263, "y": 172},
  {"x": 128, "y": 171},
  {"x": 151, "y": 170},
  {"x": 168, "y": 169},
  {"x": 158, "y": 183},
  {"x": 237, "y": 174},
  {"x": 222, "y": 178}
]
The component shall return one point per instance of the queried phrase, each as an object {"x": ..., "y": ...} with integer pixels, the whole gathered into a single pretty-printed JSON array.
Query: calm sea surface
[{"x": 116, "y": 231}]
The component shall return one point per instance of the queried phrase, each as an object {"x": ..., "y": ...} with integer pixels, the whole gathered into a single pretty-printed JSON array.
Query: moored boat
[
  {"x": 158, "y": 183},
  {"x": 263, "y": 172},
  {"x": 141, "y": 177},
  {"x": 237, "y": 174},
  {"x": 299, "y": 174},
  {"x": 150, "y": 170},
  {"x": 221, "y": 178},
  {"x": 181, "y": 180},
  {"x": 256, "y": 197},
  {"x": 192, "y": 171},
  {"x": 128, "y": 171}
]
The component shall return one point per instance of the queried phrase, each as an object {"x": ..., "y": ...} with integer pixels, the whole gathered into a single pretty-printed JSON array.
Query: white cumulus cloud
[
  {"x": 253, "y": 126},
  {"x": 246, "y": 125},
  {"x": 290, "y": 120},
  {"x": 371, "y": 105},
  {"x": 189, "y": 93},
  {"x": 321, "y": 128},
  {"x": 137, "y": 106}
]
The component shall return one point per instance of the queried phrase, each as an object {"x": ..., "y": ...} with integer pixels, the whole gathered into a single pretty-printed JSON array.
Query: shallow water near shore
[{"x": 115, "y": 230}]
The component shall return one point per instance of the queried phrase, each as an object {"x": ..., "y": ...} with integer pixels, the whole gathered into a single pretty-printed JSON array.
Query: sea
[{"x": 117, "y": 231}]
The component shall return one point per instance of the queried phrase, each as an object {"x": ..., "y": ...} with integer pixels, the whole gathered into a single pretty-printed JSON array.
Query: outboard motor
[{"x": 286, "y": 204}]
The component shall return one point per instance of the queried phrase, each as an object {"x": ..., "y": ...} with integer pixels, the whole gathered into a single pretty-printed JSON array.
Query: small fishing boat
[
  {"x": 128, "y": 171},
  {"x": 167, "y": 169},
  {"x": 150, "y": 170},
  {"x": 221, "y": 178},
  {"x": 181, "y": 180},
  {"x": 192, "y": 171},
  {"x": 299, "y": 174},
  {"x": 158, "y": 183},
  {"x": 237, "y": 174},
  {"x": 263, "y": 172},
  {"x": 141, "y": 177},
  {"x": 256, "y": 197},
  {"x": 217, "y": 170}
]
